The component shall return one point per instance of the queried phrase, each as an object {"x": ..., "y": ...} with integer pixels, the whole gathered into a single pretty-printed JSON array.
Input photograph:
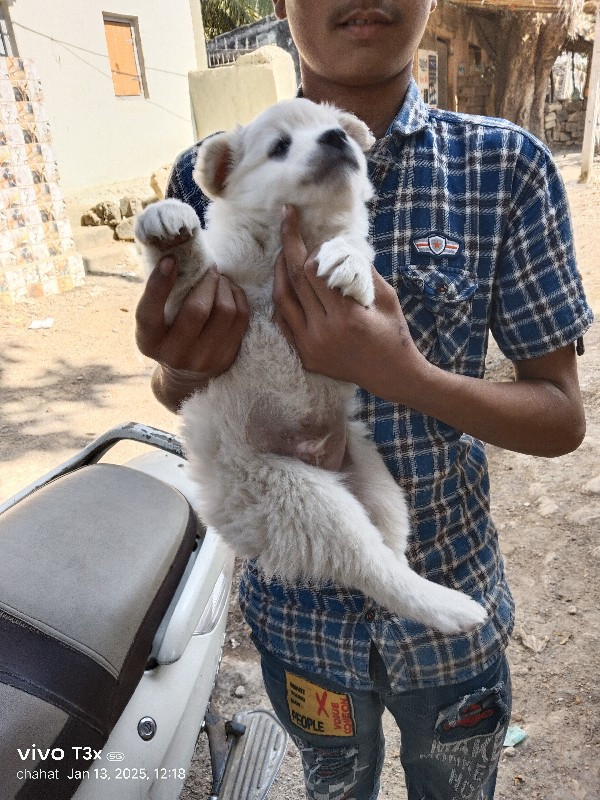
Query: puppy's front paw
[
  {"x": 166, "y": 224},
  {"x": 347, "y": 269}
]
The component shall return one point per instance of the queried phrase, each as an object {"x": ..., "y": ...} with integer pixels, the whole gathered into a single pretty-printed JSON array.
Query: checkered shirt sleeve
[
  {"x": 538, "y": 304},
  {"x": 181, "y": 185}
]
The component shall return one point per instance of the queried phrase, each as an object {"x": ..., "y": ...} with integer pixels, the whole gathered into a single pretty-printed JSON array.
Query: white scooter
[{"x": 113, "y": 603}]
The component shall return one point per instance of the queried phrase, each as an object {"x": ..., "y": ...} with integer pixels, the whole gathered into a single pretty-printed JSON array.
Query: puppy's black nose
[{"x": 334, "y": 138}]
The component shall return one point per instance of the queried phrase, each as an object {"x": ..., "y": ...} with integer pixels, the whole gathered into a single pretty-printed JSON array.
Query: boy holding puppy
[{"x": 472, "y": 235}]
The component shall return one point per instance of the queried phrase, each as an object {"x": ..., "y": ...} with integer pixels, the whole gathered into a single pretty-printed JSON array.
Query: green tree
[{"x": 221, "y": 16}]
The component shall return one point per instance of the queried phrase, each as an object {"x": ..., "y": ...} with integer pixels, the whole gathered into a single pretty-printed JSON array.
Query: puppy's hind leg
[
  {"x": 171, "y": 227},
  {"x": 370, "y": 481},
  {"x": 317, "y": 529}
]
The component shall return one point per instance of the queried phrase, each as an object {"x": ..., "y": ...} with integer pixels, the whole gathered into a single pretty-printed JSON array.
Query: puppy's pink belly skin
[
  {"x": 315, "y": 443},
  {"x": 323, "y": 452}
]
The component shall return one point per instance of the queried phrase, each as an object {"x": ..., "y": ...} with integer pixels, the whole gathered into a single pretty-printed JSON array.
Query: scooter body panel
[
  {"x": 175, "y": 693},
  {"x": 175, "y": 696},
  {"x": 150, "y": 747}
]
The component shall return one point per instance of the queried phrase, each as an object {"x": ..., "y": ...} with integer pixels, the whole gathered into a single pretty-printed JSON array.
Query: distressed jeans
[{"x": 451, "y": 736}]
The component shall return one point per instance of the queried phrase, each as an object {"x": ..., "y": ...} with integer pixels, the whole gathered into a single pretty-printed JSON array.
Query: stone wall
[
  {"x": 475, "y": 89},
  {"x": 564, "y": 123}
]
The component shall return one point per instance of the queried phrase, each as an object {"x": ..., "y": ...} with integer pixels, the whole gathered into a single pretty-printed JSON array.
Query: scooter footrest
[{"x": 255, "y": 758}]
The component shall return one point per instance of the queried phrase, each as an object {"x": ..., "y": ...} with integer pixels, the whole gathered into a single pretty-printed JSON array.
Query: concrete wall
[
  {"x": 98, "y": 137},
  {"x": 223, "y": 97},
  {"x": 454, "y": 27},
  {"x": 227, "y": 47}
]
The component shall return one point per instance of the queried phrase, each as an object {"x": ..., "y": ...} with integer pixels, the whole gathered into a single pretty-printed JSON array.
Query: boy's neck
[{"x": 376, "y": 105}]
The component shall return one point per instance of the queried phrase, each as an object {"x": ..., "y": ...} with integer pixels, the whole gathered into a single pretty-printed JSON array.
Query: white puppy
[{"x": 301, "y": 522}]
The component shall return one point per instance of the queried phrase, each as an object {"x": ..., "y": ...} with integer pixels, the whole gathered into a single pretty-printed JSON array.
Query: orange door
[{"x": 121, "y": 53}]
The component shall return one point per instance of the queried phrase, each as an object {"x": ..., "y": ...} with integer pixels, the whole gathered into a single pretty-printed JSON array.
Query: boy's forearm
[
  {"x": 536, "y": 415},
  {"x": 171, "y": 386}
]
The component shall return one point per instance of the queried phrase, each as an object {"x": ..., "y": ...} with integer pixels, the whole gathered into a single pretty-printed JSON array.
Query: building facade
[{"x": 115, "y": 79}]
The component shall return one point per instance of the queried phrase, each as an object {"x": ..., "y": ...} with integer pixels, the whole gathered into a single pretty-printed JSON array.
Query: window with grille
[
  {"x": 7, "y": 44},
  {"x": 124, "y": 55}
]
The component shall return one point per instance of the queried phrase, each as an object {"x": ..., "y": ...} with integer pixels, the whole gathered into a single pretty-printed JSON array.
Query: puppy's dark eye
[{"x": 281, "y": 147}]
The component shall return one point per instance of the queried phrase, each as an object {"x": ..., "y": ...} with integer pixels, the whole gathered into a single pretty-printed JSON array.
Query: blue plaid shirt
[{"x": 470, "y": 225}]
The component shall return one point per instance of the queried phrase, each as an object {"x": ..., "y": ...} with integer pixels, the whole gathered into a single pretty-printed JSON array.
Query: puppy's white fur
[{"x": 300, "y": 521}]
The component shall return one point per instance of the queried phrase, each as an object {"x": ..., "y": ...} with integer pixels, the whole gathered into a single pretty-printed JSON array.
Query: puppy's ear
[
  {"x": 357, "y": 129},
  {"x": 214, "y": 163}
]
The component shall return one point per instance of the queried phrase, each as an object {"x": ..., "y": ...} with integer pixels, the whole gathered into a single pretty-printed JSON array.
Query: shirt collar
[{"x": 412, "y": 117}]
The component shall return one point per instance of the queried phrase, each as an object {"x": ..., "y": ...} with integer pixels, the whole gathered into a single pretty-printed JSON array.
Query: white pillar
[
  {"x": 592, "y": 108},
  {"x": 199, "y": 38}
]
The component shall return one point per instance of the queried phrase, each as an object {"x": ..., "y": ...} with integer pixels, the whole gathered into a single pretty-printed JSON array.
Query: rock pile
[
  {"x": 564, "y": 122},
  {"x": 120, "y": 215}
]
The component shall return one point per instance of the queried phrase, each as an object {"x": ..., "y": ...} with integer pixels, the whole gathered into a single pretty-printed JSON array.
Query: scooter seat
[{"x": 88, "y": 567}]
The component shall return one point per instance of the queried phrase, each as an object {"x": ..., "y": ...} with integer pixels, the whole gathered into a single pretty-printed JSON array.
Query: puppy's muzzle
[
  {"x": 335, "y": 138},
  {"x": 333, "y": 152}
]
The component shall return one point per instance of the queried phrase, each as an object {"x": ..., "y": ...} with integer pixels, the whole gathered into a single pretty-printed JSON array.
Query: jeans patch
[
  {"x": 468, "y": 740},
  {"x": 317, "y": 710},
  {"x": 475, "y": 715}
]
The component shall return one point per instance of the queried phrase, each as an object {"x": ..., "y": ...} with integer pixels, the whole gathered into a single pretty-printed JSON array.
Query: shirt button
[
  {"x": 442, "y": 288},
  {"x": 370, "y": 616}
]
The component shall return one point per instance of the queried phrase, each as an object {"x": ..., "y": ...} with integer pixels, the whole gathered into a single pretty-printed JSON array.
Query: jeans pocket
[{"x": 438, "y": 308}]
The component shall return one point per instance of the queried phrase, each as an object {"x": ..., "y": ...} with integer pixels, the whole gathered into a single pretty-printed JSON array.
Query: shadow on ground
[{"x": 24, "y": 408}]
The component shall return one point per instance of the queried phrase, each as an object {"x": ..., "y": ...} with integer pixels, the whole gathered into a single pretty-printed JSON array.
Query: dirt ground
[{"x": 62, "y": 386}]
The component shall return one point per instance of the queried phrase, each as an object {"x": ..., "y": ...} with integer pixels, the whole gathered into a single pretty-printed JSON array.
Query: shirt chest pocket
[{"x": 438, "y": 309}]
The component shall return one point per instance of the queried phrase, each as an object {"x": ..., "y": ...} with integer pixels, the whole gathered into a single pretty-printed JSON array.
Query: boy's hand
[
  {"x": 541, "y": 412},
  {"x": 204, "y": 338},
  {"x": 334, "y": 335}
]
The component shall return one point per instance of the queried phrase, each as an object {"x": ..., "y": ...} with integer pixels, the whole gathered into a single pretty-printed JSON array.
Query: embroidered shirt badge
[{"x": 436, "y": 244}]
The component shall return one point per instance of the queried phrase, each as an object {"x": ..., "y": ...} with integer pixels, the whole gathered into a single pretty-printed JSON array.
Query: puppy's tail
[
  {"x": 397, "y": 587},
  {"x": 317, "y": 530}
]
